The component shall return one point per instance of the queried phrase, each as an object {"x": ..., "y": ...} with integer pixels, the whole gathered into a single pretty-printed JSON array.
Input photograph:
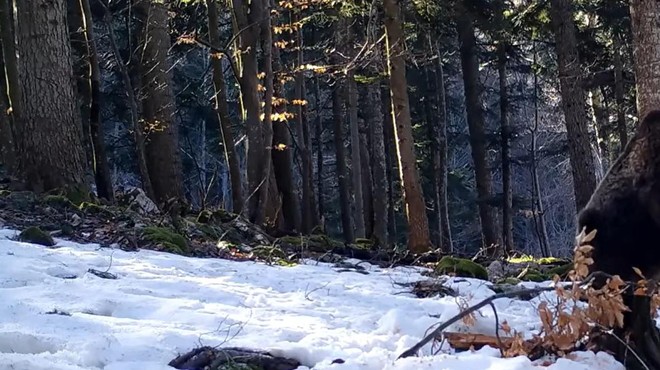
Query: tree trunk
[
  {"x": 7, "y": 148},
  {"x": 309, "y": 216},
  {"x": 248, "y": 21},
  {"x": 89, "y": 87},
  {"x": 475, "y": 118},
  {"x": 350, "y": 88},
  {"x": 50, "y": 151},
  {"x": 282, "y": 152},
  {"x": 375, "y": 121},
  {"x": 319, "y": 149},
  {"x": 418, "y": 227},
  {"x": 440, "y": 168},
  {"x": 132, "y": 101},
  {"x": 601, "y": 122},
  {"x": 390, "y": 165},
  {"x": 222, "y": 110},
  {"x": 619, "y": 93},
  {"x": 644, "y": 15},
  {"x": 344, "y": 196},
  {"x": 367, "y": 195},
  {"x": 505, "y": 135},
  {"x": 573, "y": 102},
  {"x": 537, "y": 203},
  {"x": 12, "y": 87},
  {"x": 158, "y": 104}
]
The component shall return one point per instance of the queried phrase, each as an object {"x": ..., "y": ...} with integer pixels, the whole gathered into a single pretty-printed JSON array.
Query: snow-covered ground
[{"x": 162, "y": 305}]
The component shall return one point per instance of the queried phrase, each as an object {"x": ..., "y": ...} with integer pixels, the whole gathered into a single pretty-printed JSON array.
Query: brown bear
[{"x": 625, "y": 208}]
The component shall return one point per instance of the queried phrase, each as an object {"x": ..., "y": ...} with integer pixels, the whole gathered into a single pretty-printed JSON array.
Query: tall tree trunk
[
  {"x": 11, "y": 85},
  {"x": 309, "y": 216},
  {"x": 367, "y": 195},
  {"x": 375, "y": 121},
  {"x": 7, "y": 148},
  {"x": 573, "y": 101},
  {"x": 132, "y": 101},
  {"x": 440, "y": 167},
  {"x": 619, "y": 93},
  {"x": 350, "y": 89},
  {"x": 505, "y": 134},
  {"x": 282, "y": 152},
  {"x": 537, "y": 202},
  {"x": 89, "y": 87},
  {"x": 390, "y": 165},
  {"x": 248, "y": 21},
  {"x": 222, "y": 110},
  {"x": 475, "y": 118},
  {"x": 601, "y": 123},
  {"x": 158, "y": 104},
  {"x": 644, "y": 15},
  {"x": 418, "y": 226},
  {"x": 344, "y": 196},
  {"x": 319, "y": 148},
  {"x": 50, "y": 151}
]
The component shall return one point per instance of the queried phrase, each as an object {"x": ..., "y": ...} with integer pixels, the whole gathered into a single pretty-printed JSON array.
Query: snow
[{"x": 162, "y": 305}]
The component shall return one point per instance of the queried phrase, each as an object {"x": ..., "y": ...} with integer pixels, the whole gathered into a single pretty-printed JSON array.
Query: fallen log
[{"x": 210, "y": 358}]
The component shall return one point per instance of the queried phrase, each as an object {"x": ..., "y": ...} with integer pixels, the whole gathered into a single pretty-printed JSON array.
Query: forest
[{"x": 462, "y": 126}]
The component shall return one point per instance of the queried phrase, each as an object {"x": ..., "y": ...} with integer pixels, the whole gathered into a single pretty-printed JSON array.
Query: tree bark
[
  {"x": 375, "y": 121},
  {"x": 90, "y": 89},
  {"x": 390, "y": 165},
  {"x": 619, "y": 93},
  {"x": 222, "y": 110},
  {"x": 475, "y": 118},
  {"x": 644, "y": 15},
  {"x": 573, "y": 101},
  {"x": 309, "y": 215},
  {"x": 418, "y": 229},
  {"x": 440, "y": 167},
  {"x": 282, "y": 152},
  {"x": 248, "y": 21},
  {"x": 505, "y": 134},
  {"x": 158, "y": 104},
  {"x": 367, "y": 195},
  {"x": 319, "y": 149},
  {"x": 50, "y": 150},
  {"x": 7, "y": 146},
  {"x": 344, "y": 196}
]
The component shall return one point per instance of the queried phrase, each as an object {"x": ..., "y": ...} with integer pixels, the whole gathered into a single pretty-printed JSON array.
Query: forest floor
[{"x": 57, "y": 314}]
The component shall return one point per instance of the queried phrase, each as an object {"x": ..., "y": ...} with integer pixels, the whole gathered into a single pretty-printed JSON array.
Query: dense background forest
[{"x": 453, "y": 124}]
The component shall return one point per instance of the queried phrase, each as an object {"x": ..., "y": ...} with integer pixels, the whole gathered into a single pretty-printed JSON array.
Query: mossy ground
[
  {"x": 35, "y": 235},
  {"x": 168, "y": 239},
  {"x": 461, "y": 267}
]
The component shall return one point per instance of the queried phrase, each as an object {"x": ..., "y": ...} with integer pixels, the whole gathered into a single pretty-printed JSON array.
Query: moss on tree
[{"x": 35, "y": 235}]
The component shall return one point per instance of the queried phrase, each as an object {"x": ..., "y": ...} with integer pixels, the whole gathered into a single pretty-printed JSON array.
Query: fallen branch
[{"x": 538, "y": 290}]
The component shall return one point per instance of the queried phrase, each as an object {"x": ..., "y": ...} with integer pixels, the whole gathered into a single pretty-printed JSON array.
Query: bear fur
[{"x": 625, "y": 208}]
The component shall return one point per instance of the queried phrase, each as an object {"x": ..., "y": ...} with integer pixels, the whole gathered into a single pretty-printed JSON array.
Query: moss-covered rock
[
  {"x": 219, "y": 215},
  {"x": 35, "y": 235},
  {"x": 59, "y": 202},
  {"x": 534, "y": 275},
  {"x": 561, "y": 270},
  {"x": 362, "y": 243},
  {"x": 4, "y": 193},
  {"x": 171, "y": 241},
  {"x": 509, "y": 281},
  {"x": 315, "y": 243},
  {"x": 95, "y": 209},
  {"x": 461, "y": 267}
]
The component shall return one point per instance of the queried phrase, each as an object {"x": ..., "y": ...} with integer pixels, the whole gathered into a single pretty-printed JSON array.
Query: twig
[
  {"x": 414, "y": 349},
  {"x": 497, "y": 330}
]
